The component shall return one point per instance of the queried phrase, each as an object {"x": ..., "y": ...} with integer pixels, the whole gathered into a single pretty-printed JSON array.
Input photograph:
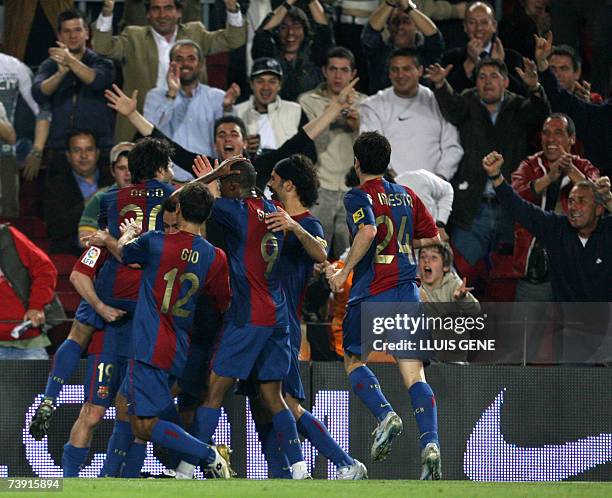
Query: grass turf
[{"x": 237, "y": 488}]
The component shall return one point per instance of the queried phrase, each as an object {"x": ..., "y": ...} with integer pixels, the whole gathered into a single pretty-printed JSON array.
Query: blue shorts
[
  {"x": 103, "y": 377},
  {"x": 292, "y": 383},
  {"x": 147, "y": 389},
  {"x": 352, "y": 336},
  {"x": 87, "y": 316},
  {"x": 242, "y": 349}
]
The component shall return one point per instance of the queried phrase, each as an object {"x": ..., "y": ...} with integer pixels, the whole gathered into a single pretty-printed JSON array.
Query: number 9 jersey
[
  {"x": 400, "y": 217},
  {"x": 253, "y": 252}
]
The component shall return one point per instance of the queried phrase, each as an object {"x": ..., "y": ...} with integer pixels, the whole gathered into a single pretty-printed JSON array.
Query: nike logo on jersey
[
  {"x": 488, "y": 457},
  {"x": 403, "y": 119}
]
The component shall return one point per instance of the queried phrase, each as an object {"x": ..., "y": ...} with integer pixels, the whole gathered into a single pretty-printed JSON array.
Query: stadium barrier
[{"x": 496, "y": 423}]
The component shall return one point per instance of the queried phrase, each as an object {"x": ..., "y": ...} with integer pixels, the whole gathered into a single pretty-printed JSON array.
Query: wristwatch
[{"x": 37, "y": 153}]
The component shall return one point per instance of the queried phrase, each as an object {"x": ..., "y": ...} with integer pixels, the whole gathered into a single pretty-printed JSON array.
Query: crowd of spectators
[{"x": 511, "y": 81}]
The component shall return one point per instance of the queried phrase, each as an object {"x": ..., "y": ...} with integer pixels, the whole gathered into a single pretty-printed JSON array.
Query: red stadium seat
[
  {"x": 34, "y": 228},
  {"x": 63, "y": 262}
]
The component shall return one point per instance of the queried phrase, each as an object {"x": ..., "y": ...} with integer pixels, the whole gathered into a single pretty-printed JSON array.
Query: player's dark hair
[
  {"x": 352, "y": 180},
  {"x": 69, "y": 15},
  {"x": 147, "y": 156},
  {"x": 246, "y": 176},
  {"x": 373, "y": 152},
  {"x": 76, "y": 132},
  {"x": 568, "y": 51},
  {"x": 300, "y": 170},
  {"x": 488, "y": 61},
  {"x": 177, "y": 3},
  {"x": 169, "y": 204},
  {"x": 571, "y": 127},
  {"x": 445, "y": 251},
  {"x": 405, "y": 52},
  {"x": 196, "y": 203},
  {"x": 232, "y": 119},
  {"x": 340, "y": 53}
]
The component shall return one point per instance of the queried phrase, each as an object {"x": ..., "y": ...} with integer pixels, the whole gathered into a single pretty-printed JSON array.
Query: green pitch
[{"x": 237, "y": 488}]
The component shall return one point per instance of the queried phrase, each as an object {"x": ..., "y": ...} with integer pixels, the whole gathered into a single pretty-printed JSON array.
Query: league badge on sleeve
[
  {"x": 358, "y": 215},
  {"x": 91, "y": 256}
]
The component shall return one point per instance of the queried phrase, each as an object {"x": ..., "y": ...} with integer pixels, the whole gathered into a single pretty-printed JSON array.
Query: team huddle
[{"x": 165, "y": 313}]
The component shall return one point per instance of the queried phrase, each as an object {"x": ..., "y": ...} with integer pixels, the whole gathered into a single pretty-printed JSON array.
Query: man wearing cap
[
  {"x": 121, "y": 173},
  {"x": 183, "y": 108},
  {"x": 270, "y": 120}
]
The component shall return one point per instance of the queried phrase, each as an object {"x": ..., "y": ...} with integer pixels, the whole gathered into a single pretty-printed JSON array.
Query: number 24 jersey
[{"x": 400, "y": 217}]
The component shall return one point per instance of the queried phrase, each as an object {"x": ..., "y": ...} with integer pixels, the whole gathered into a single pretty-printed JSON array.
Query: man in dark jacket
[
  {"x": 408, "y": 28},
  {"x": 68, "y": 189},
  {"x": 488, "y": 117},
  {"x": 480, "y": 26},
  {"x": 578, "y": 245},
  {"x": 72, "y": 82},
  {"x": 286, "y": 35},
  {"x": 593, "y": 121}
]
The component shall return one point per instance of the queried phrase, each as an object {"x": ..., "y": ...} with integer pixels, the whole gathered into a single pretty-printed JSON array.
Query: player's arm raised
[{"x": 130, "y": 229}]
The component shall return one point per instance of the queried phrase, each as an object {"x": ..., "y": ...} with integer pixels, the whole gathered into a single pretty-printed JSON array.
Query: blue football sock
[
  {"x": 176, "y": 438},
  {"x": 366, "y": 386},
  {"x": 206, "y": 421},
  {"x": 286, "y": 432},
  {"x": 65, "y": 363},
  {"x": 425, "y": 412},
  {"x": 278, "y": 465},
  {"x": 316, "y": 432},
  {"x": 73, "y": 459},
  {"x": 117, "y": 450},
  {"x": 205, "y": 425},
  {"x": 134, "y": 460}
]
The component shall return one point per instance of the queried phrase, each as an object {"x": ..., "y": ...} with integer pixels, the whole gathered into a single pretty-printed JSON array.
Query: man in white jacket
[
  {"x": 408, "y": 115},
  {"x": 270, "y": 120}
]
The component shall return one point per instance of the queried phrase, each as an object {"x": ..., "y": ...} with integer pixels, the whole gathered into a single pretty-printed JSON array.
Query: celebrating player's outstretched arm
[{"x": 130, "y": 229}]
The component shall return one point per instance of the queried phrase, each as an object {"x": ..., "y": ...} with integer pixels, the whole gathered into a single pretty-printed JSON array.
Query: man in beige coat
[
  {"x": 334, "y": 146},
  {"x": 143, "y": 51}
]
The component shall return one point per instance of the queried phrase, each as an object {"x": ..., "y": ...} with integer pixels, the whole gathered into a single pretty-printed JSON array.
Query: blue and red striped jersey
[
  {"x": 400, "y": 217},
  {"x": 253, "y": 252},
  {"x": 117, "y": 340},
  {"x": 176, "y": 268},
  {"x": 296, "y": 267},
  {"x": 143, "y": 202}
]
